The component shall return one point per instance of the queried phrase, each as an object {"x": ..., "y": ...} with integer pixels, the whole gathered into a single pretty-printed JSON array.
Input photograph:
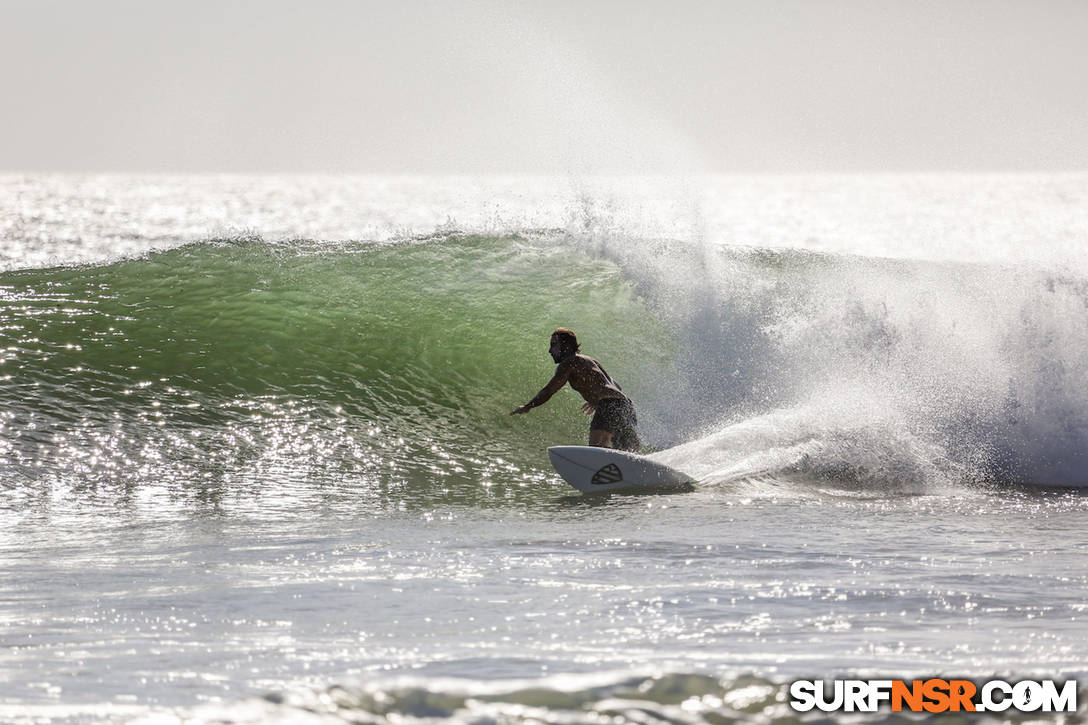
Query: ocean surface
[{"x": 257, "y": 463}]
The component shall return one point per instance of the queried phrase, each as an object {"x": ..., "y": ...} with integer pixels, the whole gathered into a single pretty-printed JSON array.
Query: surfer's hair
[{"x": 567, "y": 338}]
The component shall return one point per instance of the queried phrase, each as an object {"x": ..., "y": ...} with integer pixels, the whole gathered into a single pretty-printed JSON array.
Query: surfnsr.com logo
[{"x": 934, "y": 695}]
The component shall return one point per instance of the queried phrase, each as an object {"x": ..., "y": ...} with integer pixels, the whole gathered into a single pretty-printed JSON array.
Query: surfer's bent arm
[{"x": 562, "y": 374}]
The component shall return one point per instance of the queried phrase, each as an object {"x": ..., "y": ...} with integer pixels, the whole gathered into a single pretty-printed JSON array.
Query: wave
[
  {"x": 613, "y": 697},
  {"x": 396, "y": 363}
]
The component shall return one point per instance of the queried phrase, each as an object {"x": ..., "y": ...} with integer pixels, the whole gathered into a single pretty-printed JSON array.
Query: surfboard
[{"x": 591, "y": 470}]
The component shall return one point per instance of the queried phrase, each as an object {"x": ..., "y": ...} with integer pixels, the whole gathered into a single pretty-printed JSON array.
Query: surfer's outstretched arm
[{"x": 562, "y": 374}]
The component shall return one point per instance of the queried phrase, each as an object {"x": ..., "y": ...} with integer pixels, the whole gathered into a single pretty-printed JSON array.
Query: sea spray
[{"x": 923, "y": 373}]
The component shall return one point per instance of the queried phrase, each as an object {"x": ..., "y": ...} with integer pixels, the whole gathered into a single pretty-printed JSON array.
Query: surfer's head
[{"x": 564, "y": 344}]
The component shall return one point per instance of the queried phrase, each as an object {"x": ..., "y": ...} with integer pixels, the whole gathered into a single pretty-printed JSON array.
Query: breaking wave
[{"x": 396, "y": 364}]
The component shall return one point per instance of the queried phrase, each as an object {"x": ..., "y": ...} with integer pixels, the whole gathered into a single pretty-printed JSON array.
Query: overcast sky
[{"x": 547, "y": 87}]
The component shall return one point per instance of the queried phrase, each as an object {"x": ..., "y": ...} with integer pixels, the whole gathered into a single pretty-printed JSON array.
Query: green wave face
[{"x": 386, "y": 366}]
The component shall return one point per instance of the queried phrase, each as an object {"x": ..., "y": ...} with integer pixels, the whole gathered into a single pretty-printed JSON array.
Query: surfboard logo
[{"x": 609, "y": 474}]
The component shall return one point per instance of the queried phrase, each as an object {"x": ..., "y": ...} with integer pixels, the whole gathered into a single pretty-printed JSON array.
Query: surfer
[{"x": 614, "y": 421}]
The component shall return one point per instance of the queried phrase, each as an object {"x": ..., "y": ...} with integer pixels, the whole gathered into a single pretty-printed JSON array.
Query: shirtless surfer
[{"x": 614, "y": 421}]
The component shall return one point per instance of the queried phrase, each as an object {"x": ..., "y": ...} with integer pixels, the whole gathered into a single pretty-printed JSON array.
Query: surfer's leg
[
  {"x": 627, "y": 440},
  {"x": 607, "y": 426},
  {"x": 624, "y": 434},
  {"x": 600, "y": 438}
]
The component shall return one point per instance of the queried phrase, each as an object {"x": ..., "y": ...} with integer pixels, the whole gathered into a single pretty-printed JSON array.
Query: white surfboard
[{"x": 591, "y": 469}]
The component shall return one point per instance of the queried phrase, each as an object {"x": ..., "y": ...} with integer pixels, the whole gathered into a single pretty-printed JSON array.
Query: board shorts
[{"x": 617, "y": 416}]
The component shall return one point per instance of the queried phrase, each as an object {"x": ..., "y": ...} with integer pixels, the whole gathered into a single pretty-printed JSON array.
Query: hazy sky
[{"x": 549, "y": 86}]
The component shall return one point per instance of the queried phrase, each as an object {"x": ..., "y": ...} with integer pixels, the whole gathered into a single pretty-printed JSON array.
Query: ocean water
[{"x": 257, "y": 463}]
